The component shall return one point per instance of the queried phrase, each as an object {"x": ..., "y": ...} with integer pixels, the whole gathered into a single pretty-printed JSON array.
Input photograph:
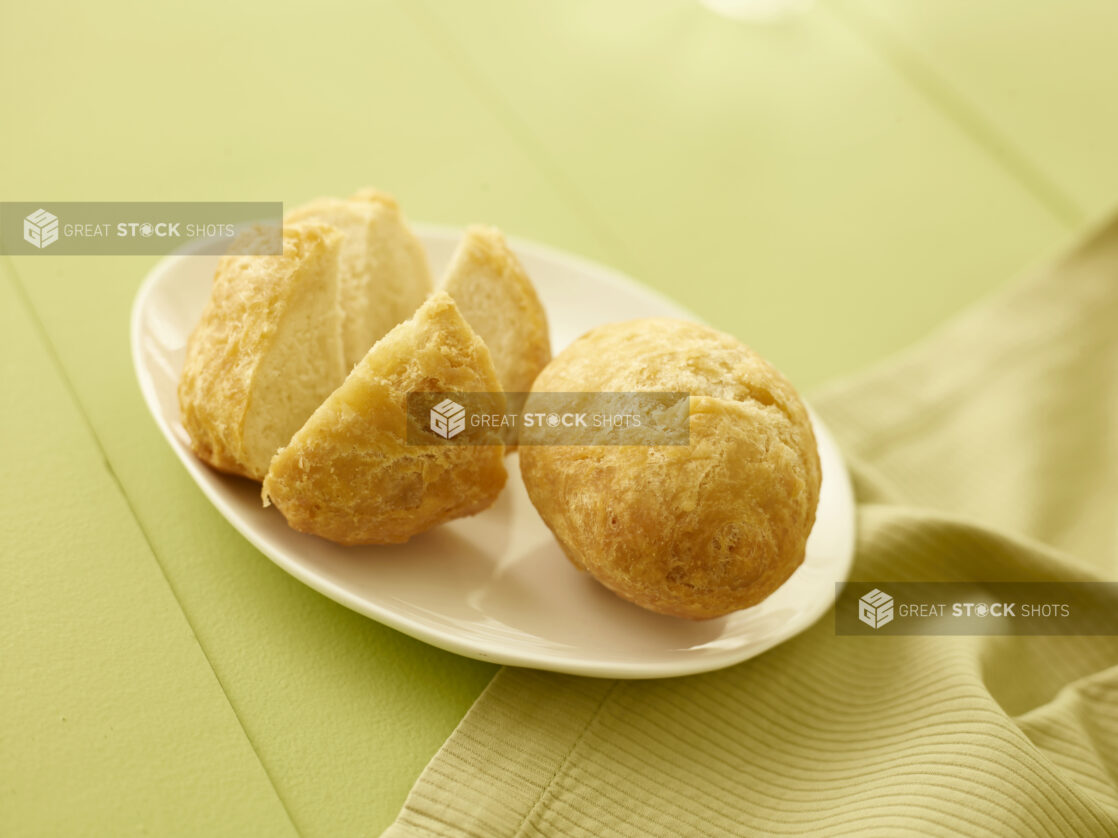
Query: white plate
[{"x": 496, "y": 586}]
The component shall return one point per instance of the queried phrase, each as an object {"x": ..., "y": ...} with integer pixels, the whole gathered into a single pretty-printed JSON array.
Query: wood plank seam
[
  {"x": 55, "y": 361},
  {"x": 953, "y": 104},
  {"x": 523, "y": 136}
]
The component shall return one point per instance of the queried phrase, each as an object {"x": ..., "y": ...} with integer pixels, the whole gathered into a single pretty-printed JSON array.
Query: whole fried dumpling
[
  {"x": 349, "y": 474},
  {"x": 695, "y": 530},
  {"x": 267, "y": 350}
]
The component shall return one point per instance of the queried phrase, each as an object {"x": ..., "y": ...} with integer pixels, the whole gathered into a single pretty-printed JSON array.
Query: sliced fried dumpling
[
  {"x": 267, "y": 350},
  {"x": 382, "y": 268},
  {"x": 349, "y": 474},
  {"x": 498, "y": 300}
]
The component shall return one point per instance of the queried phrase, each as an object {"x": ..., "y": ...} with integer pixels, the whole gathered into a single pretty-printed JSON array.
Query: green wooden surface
[
  {"x": 1033, "y": 81},
  {"x": 828, "y": 190},
  {"x": 784, "y": 182},
  {"x": 112, "y": 715}
]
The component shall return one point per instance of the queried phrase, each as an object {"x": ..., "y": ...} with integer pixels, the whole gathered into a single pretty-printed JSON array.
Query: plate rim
[{"x": 203, "y": 476}]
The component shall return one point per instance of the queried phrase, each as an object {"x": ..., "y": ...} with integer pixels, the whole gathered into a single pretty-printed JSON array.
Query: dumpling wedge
[
  {"x": 382, "y": 268},
  {"x": 266, "y": 352},
  {"x": 349, "y": 474},
  {"x": 498, "y": 300}
]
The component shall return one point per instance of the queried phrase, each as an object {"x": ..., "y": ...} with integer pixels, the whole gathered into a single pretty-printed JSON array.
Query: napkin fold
[{"x": 988, "y": 452}]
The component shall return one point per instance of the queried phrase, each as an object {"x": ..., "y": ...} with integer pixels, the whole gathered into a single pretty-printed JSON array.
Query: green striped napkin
[{"x": 989, "y": 452}]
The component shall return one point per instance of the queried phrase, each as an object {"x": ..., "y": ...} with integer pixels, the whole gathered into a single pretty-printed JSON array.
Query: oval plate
[{"x": 496, "y": 586}]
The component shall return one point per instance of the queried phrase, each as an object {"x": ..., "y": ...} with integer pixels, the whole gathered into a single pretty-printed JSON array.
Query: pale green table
[{"x": 828, "y": 190}]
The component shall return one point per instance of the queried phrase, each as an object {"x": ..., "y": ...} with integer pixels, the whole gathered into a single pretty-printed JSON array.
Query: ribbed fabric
[{"x": 990, "y": 452}]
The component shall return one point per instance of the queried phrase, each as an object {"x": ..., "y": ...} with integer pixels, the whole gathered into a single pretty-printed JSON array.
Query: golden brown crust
[
  {"x": 250, "y": 297},
  {"x": 692, "y": 531},
  {"x": 349, "y": 475}
]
